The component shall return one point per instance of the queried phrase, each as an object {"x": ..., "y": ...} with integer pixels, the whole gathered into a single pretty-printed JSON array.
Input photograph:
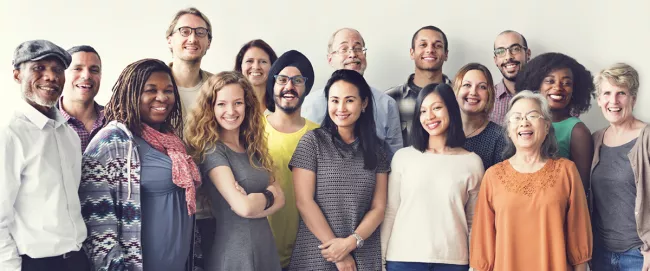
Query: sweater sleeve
[
  {"x": 483, "y": 235},
  {"x": 473, "y": 188},
  {"x": 578, "y": 224},
  {"x": 393, "y": 202}
]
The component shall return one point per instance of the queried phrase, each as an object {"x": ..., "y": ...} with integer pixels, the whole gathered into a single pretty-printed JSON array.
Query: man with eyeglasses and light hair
[
  {"x": 290, "y": 80},
  {"x": 511, "y": 54},
  {"x": 346, "y": 50},
  {"x": 189, "y": 36},
  {"x": 429, "y": 50}
]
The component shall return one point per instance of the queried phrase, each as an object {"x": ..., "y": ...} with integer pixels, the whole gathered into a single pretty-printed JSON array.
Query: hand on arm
[{"x": 245, "y": 205}]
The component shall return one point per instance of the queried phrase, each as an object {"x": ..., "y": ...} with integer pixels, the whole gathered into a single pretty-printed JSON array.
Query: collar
[
  {"x": 501, "y": 90},
  {"x": 98, "y": 108},
  {"x": 38, "y": 118}
]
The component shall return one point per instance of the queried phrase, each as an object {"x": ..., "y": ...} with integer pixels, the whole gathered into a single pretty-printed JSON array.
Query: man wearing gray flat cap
[{"x": 41, "y": 227}]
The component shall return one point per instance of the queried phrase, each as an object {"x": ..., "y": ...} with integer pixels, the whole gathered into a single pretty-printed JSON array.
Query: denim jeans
[
  {"x": 605, "y": 260},
  {"x": 410, "y": 266}
]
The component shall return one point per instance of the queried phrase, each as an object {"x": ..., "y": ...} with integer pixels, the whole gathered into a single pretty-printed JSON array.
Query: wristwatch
[{"x": 359, "y": 239}]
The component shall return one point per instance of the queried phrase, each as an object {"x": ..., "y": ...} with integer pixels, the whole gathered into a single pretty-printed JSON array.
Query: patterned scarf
[{"x": 185, "y": 173}]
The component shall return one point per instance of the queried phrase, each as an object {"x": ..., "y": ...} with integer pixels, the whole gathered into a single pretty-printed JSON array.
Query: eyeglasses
[
  {"x": 186, "y": 31},
  {"x": 516, "y": 118},
  {"x": 356, "y": 50},
  {"x": 514, "y": 50},
  {"x": 297, "y": 80}
]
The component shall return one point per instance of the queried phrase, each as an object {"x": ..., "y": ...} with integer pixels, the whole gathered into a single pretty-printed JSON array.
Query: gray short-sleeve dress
[
  {"x": 344, "y": 192},
  {"x": 243, "y": 244}
]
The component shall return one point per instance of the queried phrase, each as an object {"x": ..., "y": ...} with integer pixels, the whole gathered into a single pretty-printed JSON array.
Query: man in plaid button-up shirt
[
  {"x": 511, "y": 54},
  {"x": 77, "y": 105}
]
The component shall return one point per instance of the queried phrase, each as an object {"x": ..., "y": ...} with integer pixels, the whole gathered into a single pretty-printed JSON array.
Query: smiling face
[
  {"x": 434, "y": 115},
  {"x": 157, "y": 99},
  {"x": 473, "y": 94},
  {"x": 256, "y": 65},
  {"x": 616, "y": 103},
  {"x": 526, "y": 128},
  {"x": 191, "y": 48},
  {"x": 429, "y": 53},
  {"x": 41, "y": 81},
  {"x": 510, "y": 64},
  {"x": 83, "y": 77},
  {"x": 557, "y": 87},
  {"x": 347, "y": 39},
  {"x": 289, "y": 97},
  {"x": 345, "y": 104},
  {"x": 230, "y": 107}
]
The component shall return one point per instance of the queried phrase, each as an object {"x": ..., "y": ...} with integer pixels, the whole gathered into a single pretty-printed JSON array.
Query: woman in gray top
[
  {"x": 226, "y": 135},
  {"x": 619, "y": 180}
]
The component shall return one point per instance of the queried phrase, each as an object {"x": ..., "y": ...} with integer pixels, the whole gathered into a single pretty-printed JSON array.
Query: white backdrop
[{"x": 596, "y": 33}]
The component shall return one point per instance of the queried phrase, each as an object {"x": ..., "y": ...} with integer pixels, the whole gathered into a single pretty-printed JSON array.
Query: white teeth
[
  {"x": 160, "y": 108},
  {"x": 614, "y": 109},
  {"x": 256, "y": 73},
  {"x": 47, "y": 88},
  {"x": 432, "y": 126},
  {"x": 525, "y": 133},
  {"x": 556, "y": 97},
  {"x": 472, "y": 100}
]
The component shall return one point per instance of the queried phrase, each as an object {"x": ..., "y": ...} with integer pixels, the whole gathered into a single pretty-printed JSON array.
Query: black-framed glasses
[
  {"x": 186, "y": 31},
  {"x": 532, "y": 116},
  {"x": 297, "y": 80},
  {"x": 513, "y": 49},
  {"x": 346, "y": 50}
]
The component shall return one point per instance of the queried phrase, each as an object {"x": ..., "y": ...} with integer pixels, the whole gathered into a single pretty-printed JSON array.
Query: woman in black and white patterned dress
[{"x": 340, "y": 180}]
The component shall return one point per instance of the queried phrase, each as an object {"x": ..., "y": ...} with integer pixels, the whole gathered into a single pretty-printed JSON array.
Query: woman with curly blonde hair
[{"x": 225, "y": 135}]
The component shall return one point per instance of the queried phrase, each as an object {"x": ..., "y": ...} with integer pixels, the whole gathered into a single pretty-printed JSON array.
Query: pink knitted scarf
[{"x": 185, "y": 173}]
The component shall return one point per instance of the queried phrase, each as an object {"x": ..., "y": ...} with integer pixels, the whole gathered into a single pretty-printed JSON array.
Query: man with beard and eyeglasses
[
  {"x": 290, "y": 79},
  {"x": 77, "y": 104},
  {"x": 429, "y": 51},
  {"x": 511, "y": 54},
  {"x": 41, "y": 227},
  {"x": 346, "y": 50}
]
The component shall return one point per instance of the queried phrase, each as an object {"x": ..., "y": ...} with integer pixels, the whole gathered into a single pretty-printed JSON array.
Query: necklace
[{"x": 475, "y": 130}]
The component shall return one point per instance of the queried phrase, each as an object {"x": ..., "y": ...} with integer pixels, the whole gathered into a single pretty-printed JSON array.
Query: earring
[{"x": 363, "y": 110}]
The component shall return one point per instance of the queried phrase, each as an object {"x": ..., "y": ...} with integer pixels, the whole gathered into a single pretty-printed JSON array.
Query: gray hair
[
  {"x": 331, "y": 40},
  {"x": 620, "y": 75},
  {"x": 549, "y": 147}
]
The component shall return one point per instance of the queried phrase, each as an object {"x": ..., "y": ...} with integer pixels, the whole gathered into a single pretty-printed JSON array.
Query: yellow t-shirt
[{"x": 284, "y": 223}]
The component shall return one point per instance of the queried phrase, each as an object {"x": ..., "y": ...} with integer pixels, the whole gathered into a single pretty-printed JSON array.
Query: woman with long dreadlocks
[{"x": 138, "y": 183}]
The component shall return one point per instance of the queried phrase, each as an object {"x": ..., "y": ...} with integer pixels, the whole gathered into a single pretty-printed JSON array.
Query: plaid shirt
[
  {"x": 79, "y": 126},
  {"x": 501, "y": 100}
]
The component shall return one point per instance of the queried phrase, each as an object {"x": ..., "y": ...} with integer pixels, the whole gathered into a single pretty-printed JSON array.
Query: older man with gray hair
[
  {"x": 346, "y": 50},
  {"x": 41, "y": 227}
]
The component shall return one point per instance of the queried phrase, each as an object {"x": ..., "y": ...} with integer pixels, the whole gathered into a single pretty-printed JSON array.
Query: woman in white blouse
[{"x": 432, "y": 189}]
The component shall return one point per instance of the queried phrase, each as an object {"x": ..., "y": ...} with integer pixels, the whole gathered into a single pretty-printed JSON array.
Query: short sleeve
[
  {"x": 217, "y": 157},
  {"x": 305, "y": 155},
  {"x": 383, "y": 163}
]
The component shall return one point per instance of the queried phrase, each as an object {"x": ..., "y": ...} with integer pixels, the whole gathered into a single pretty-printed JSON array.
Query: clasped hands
[{"x": 338, "y": 250}]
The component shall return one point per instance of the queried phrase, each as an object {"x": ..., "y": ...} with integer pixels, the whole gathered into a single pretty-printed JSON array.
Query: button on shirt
[
  {"x": 386, "y": 115},
  {"x": 40, "y": 213}
]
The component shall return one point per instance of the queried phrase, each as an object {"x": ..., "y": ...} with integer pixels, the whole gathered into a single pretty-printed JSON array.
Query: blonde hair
[
  {"x": 458, "y": 82},
  {"x": 193, "y": 11},
  {"x": 202, "y": 128},
  {"x": 620, "y": 75}
]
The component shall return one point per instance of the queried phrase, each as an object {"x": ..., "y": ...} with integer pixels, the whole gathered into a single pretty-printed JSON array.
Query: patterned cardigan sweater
[{"x": 110, "y": 199}]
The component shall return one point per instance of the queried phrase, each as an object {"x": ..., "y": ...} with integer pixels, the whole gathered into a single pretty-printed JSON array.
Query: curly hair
[
  {"x": 458, "y": 81},
  {"x": 124, "y": 105},
  {"x": 533, "y": 74},
  {"x": 202, "y": 129}
]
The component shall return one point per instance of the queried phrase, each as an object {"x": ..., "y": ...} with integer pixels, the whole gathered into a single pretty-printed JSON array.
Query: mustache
[
  {"x": 511, "y": 62},
  {"x": 288, "y": 91}
]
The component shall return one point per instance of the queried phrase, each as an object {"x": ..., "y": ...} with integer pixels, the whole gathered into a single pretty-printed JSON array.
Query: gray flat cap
[{"x": 34, "y": 50}]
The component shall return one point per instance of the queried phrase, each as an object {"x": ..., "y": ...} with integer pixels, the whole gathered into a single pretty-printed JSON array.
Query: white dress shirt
[{"x": 40, "y": 171}]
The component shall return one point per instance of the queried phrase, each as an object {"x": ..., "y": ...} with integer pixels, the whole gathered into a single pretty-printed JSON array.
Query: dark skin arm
[{"x": 582, "y": 151}]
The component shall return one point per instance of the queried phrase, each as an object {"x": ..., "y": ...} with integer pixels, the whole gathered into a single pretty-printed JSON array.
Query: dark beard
[{"x": 289, "y": 109}]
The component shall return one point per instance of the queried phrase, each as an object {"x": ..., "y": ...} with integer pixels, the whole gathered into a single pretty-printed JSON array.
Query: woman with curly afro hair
[{"x": 568, "y": 87}]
